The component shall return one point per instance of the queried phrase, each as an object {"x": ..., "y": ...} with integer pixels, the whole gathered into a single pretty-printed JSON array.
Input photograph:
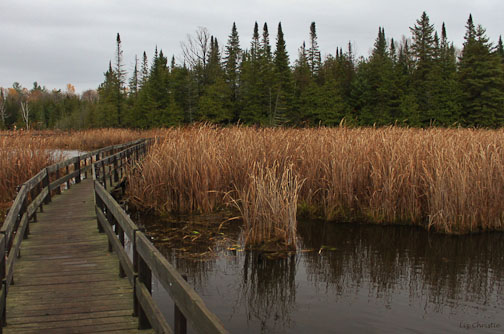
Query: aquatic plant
[{"x": 446, "y": 180}]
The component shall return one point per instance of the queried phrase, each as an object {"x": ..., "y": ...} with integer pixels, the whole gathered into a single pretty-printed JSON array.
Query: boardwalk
[{"x": 66, "y": 281}]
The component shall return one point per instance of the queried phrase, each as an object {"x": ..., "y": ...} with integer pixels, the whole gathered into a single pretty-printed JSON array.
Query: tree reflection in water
[{"x": 352, "y": 277}]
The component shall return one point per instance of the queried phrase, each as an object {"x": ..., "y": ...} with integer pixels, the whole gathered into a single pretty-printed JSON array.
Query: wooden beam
[
  {"x": 116, "y": 244},
  {"x": 188, "y": 301},
  {"x": 156, "y": 318}
]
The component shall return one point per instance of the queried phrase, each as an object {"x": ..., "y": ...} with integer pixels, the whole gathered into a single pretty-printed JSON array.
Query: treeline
[
  {"x": 418, "y": 81},
  {"x": 40, "y": 108}
]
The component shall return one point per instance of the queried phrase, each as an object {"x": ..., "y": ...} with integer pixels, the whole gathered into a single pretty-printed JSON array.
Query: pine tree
[
  {"x": 107, "y": 106},
  {"x": 283, "y": 84},
  {"x": 314, "y": 58},
  {"x": 445, "y": 93},
  {"x": 144, "y": 71},
  {"x": 379, "y": 101},
  {"x": 251, "y": 92},
  {"x": 120, "y": 75},
  {"x": 232, "y": 66},
  {"x": 481, "y": 80},
  {"x": 424, "y": 49}
]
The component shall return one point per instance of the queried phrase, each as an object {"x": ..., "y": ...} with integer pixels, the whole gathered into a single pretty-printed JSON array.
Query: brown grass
[
  {"x": 24, "y": 153},
  {"x": 86, "y": 140},
  {"x": 20, "y": 159},
  {"x": 446, "y": 180}
]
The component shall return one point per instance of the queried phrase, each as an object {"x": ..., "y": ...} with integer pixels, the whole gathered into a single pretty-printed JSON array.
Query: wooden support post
[
  {"x": 58, "y": 190},
  {"x": 45, "y": 183},
  {"x": 77, "y": 167},
  {"x": 145, "y": 277},
  {"x": 104, "y": 176},
  {"x": 111, "y": 221},
  {"x": 21, "y": 213},
  {"x": 99, "y": 204},
  {"x": 85, "y": 165},
  {"x": 33, "y": 195},
  {"x": 135, "y": 270},
  {"x": 180, "y": 320},
  {"x": 120, "y": 233},
  {"x": 116, "y": 174},
  {"x": 67, "y": 172}
]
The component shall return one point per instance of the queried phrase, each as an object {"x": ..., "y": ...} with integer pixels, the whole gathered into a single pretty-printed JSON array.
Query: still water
[{"x": 345, "y": 278}]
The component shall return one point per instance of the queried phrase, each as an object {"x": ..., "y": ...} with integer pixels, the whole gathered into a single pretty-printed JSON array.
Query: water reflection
[
  {"x": 268, "y": 289},
  {"x": 351, "y": 278}
]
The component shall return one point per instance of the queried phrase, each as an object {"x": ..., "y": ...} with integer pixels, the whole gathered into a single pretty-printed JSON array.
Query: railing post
[
  {"x": 58, "y": 190},
  {"x": 99, "y": 204},
  {"x": 120, "y": 233},
  {"x": 3, "y": 318},
  {"x": 47, "y": 183},
  {"x": 77, "y": 168},
  {"x": 180, "y": 319},
  {"x": 116, "y": 174},
  {"x": 104, "y": 176},
  {"x": 85, "y": 165},
  {"x": 145, "y": 277},
  {"x": 111, "y": 221},
  {"x": 67, "y": 172},
  {"x": 135, "y": 271},
  {"x": 32, "y": 194},
  {"x": 21, "y": 213}
]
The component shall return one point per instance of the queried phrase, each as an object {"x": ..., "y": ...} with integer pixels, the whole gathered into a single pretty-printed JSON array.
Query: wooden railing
[
  {"x": 32, "y": 195},
  {"x": 146, "y": 260}
]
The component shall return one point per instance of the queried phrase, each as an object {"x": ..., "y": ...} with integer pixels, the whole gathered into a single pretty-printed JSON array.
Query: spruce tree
[
  {"x": 120, "y": 75},
  {"x": 232, "y": 66},
  {"x": 481, "y": 80},
  {"x": 314, "y": 58},
  {"x": 423, "y": 49},
  {"x": 283, "y": 84}
]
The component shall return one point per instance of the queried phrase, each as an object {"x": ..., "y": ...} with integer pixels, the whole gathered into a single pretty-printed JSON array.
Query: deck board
[{"x": 66, "y": 281}]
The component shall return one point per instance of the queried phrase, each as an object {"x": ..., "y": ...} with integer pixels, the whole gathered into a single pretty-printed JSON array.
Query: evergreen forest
[{"x": 419, "y": 81}]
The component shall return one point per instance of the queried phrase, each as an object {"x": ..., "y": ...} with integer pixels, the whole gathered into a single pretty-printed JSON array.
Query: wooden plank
[
  {"x": 118, "y": 327},
  {"x": 156, "y": 318},
  {"x": 118, "y": 248},
  {"x": 68, "y": 317},
  {"x": 128, "y": 226},
  {"x": 188, "y": 301},
  {"x": 49, "y": 325}
]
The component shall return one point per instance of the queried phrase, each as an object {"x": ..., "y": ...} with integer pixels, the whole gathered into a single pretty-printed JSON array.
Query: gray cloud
[{"x": 55, "y": 42}]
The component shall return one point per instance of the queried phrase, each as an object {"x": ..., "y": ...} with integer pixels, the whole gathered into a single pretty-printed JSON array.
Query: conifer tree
[
  {"x": 232, "y": 67},
  {"x": 283, "y": 84},
  {"x": 481, "y": 79},
  {"x": 120, "y": 75},
  {"x": 314, "y": 58},
  {"x": 423, "y": 49}
]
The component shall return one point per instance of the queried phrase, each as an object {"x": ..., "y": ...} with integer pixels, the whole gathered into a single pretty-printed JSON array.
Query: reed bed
[
  {"x": 20, "y": 159},
  {"x": 446, "y": 180},
  {"x": 85, "y": 140},
  {"x": 24, "y": 153}
]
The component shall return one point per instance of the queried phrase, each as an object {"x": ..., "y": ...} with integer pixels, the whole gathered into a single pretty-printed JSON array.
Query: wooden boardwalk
[{"x": 66, "y": 281}]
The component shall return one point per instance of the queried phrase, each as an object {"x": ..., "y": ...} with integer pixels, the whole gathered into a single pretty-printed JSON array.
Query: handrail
[
  {"x": 31, "y": 196},
  {"x": 146, "y": 259}
]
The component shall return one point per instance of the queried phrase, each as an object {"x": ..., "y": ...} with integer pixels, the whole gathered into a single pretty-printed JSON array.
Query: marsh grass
[
  {"x": 24, "y": 153},
  {"x": 446, "y": 180}
]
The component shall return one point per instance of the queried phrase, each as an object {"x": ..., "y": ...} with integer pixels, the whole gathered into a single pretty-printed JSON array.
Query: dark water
[{"x": 347, "y": 278}]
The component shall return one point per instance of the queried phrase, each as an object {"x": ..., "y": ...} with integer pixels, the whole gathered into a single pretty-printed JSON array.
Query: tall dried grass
[
  {"x": 446, "y": 180},
  {"x": 20, "y": 159},
  {"x": 24, "y": 153}
]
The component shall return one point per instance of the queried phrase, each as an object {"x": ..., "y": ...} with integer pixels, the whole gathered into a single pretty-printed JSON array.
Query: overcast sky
[{"x": 55, "y": 42}]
